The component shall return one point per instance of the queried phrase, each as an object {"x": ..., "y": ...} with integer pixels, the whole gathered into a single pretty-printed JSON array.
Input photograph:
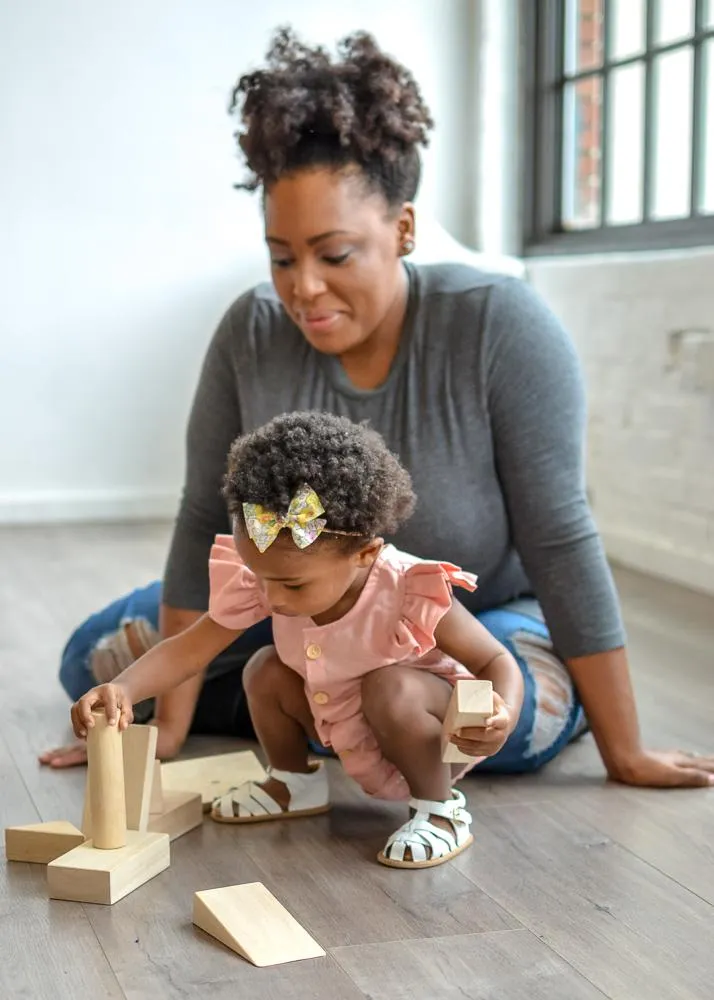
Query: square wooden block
[
  {"x": 211, "y": 776},
  {"x": 471, "y": 704},
  {"x": 90, "y": 875}
]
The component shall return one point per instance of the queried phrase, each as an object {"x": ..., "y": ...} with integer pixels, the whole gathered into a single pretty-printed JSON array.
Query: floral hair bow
[{"x": 303, "y": 519}]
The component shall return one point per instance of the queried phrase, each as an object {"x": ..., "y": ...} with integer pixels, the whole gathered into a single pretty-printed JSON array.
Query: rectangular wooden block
[
  {"x": 88, "y": 875},
  {"x": 211, "y": 776},
  {"x": 41, "y": 842},
  {"x": 253, "y": 923},
  {"x": 471, "y": 704},
  {"x": 182, "y": 811}
]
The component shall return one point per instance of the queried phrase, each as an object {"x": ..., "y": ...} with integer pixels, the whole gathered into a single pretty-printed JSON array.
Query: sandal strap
[
  {"x": 298, "y": 783},
  {"x": 250, "y": 800},
  {"x": 453, "y": 809}
]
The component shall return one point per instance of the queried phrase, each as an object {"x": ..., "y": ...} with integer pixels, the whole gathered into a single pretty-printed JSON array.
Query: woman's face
[{"x": 335, "y": 256}]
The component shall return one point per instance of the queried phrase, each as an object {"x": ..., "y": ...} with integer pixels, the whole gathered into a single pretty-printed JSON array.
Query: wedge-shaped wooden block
[
  {"x": 156, "y": 803},
  {"x": 181, "y": 812},
  {"x": 139, "y": 749},
  {"x": 88, "y": 875},
  {"x": 471, "y": 704},
  {"x": 211, "y": 776},
  {"x": 250, "y": 920},
  {"x": 41, "y": 842}
]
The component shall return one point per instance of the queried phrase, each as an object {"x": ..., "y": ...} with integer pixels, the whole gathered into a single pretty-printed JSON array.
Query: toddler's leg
[
  {"x": 283, "y": 724},
  {"x": 405, "y": 708}
]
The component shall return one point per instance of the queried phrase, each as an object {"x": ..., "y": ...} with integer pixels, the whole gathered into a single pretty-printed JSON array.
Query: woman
[{"x": 468, "y": 377}]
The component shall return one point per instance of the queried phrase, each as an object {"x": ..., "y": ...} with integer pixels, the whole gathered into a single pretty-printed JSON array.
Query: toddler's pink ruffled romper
[{"x": 393, "y": 621}]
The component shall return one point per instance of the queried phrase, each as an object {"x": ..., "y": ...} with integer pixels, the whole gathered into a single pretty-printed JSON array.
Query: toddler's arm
[
  {"x": 463, "y": 637},
  {"x": 165, "y": 666}
]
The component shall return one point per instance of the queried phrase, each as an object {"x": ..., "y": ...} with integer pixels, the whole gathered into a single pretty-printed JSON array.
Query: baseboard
[
  {"x": 650, "y": 555},
  {"x": 63, "y": 506}
]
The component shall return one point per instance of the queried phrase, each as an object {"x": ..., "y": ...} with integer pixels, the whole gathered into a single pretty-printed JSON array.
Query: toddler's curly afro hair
[{"x": 360, "y": 483}]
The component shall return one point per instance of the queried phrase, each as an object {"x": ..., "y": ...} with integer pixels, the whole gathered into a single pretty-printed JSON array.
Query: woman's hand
[
  {"x": 168, "y": 745},
  {"x": 112, "y": 698},
  {"x": 665, "y": 769},
  {"x": 485, "y": 741}
]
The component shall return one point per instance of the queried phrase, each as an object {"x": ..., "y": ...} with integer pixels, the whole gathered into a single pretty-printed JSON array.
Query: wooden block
[
  {"x": 211, "y": 776},
  {"x": 156, "y": 804},
  {"x": 86, "y": 811},
  {"x": 89, "y": 875},
  {"x": 471, "y": 704},
  {"x": 105, "y": 771},
  {"x": 251, "y": 921},
  {"x": 183, "y": 811},
  {"x": 139, "y": 749},
  {"x": 139, "y": 760},
  {"x": 41, "y": 842}
]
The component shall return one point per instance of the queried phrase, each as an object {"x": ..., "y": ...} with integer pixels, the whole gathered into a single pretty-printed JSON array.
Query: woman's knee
[{"x": 74, "y": 674}]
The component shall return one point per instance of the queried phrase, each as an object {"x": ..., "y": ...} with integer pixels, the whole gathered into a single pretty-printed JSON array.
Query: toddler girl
[{"x": 368, "y": 639}]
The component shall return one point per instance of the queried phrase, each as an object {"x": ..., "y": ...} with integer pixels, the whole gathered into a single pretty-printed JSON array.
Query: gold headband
[{"x": 303, "y": 519}]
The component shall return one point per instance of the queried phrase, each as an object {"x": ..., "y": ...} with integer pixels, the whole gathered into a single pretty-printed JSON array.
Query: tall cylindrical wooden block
[{"x": 106, "y": 783}]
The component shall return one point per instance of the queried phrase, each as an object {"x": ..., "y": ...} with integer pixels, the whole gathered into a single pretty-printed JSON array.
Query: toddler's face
[{"x": 307, "y": 582}]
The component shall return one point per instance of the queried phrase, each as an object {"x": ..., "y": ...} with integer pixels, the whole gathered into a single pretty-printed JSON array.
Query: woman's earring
[{"x": 407, "y": 248}]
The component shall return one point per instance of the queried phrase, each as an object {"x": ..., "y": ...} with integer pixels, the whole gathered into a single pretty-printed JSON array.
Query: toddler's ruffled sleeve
[
  {"x": 236, "y": 601},
  {"x": 427, "y": 598}
]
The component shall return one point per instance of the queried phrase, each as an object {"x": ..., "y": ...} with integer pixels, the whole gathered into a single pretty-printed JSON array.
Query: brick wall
[{"x": 644, "y": 328}]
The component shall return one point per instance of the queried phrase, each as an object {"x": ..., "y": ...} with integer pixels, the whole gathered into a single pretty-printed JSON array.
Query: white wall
[
  {"x": 644, "y": 328},
  {"x": 121, "y": 238}
]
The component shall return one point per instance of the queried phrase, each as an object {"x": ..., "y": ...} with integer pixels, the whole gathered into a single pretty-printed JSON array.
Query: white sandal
[
  {"x": 250, "y": 803},
  {"x": 430, "y": 845}
]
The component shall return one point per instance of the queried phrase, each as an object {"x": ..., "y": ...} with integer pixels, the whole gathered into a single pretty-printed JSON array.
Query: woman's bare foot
[{"x": 70, "y": 755}]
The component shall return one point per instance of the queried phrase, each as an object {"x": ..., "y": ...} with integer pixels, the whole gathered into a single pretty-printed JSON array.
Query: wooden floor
[{"x": 574, "y": 889}]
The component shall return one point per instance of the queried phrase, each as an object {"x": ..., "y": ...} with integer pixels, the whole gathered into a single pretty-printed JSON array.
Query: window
[{"x": 620, "y": 124}]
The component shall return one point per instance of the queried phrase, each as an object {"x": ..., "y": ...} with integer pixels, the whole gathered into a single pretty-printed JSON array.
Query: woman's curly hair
[
  {"x": 304, "y": 110},
  {"x": 361, "y": 484}
]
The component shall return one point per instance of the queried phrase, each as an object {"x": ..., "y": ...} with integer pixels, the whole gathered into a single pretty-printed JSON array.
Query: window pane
[
  {"x": 708, "y": 83},
  {"x": 627, "y": 28},
  {"x": 583, "y": 34},
  {"x": 625, "y": 144},
  {"x": 673, "y": 19},
  {"x": 709, "y": 14},
  {"x": 582, "y": 113},
  {"x": 672, "y": 146}
]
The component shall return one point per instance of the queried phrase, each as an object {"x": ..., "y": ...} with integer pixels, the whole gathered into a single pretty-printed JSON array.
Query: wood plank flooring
[{"x": 575, "y": 889}]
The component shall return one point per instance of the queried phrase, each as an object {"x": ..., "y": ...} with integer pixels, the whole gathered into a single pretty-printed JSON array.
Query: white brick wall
[{"x": 644, "y": 328}]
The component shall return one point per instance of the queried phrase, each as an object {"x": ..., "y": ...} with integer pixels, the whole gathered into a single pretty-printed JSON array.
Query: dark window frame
[{"x": 543, "y": 232}]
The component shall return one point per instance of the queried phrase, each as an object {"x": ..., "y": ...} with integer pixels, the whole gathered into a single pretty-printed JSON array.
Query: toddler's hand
[
  {"x": 112, "y": 698},
  {"x": 485, "y": 741}
]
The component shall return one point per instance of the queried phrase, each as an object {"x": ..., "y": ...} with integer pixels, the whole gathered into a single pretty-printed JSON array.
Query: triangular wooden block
[
  {"x": 41, "y": 842},
  {"x": 250, "y": 920},
  {"x": 156, "y": 805},
  {"x": 211, "y": 776},
  {"x": 139, "y": 748}
]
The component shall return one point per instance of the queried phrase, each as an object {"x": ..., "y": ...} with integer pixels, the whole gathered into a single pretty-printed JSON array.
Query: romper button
[
  {"x": 313, "y": 652},
  {"x": 321, "y": 698}
]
